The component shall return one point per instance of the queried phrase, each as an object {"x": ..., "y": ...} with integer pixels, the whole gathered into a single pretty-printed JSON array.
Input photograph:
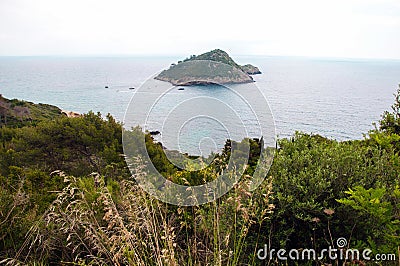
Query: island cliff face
[{"x": 214, "y": 67}]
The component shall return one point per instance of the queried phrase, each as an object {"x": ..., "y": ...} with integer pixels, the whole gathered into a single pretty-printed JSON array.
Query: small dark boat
[
  {"x": 156, "y": 132},
  {"x": 106, "y": 87},
  {"x": 181, "y": 89},
  {"x": 132, "y": 88}
]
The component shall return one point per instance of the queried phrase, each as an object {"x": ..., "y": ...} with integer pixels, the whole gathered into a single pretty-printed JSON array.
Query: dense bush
[
  {"x": 28, "y": 156},
  {"x": 310, "y": 175}
]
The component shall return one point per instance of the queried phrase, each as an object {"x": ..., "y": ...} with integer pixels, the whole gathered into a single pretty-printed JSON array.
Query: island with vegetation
[
  {"x": 214, "y": 67},
  {"x": 68, "y": 198}
]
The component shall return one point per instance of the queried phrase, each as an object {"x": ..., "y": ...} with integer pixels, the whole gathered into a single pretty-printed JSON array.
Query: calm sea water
[{"x": 335, "y": 98}]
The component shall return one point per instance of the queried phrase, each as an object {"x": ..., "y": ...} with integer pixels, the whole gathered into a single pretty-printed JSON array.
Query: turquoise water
[{"x": 335, "y": 98}]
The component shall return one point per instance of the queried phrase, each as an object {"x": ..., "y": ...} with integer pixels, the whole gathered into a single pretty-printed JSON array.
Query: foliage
[
  {"x": 87, "y": 224},
  {"x": 16, "y": 113},
  {"x": 310, "y": 173},
  {"x": 390, "y": 122},
  {"x": 77, "y": 146},
  {"x": 66, "y": 196},
  {"x": 381, "y": 211},
  {"x": 215, "y": 55},
  {"x": 28, "y": 156}
]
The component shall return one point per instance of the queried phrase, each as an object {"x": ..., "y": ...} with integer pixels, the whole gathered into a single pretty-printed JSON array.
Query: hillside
[
  {"x": 67, "y": 197},
  {"x": 15, "y": 113},
  {"x": 199, "y": 70}
]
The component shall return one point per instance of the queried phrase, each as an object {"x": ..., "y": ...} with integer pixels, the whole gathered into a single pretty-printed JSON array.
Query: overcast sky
[{"x": 340, "y": 28}]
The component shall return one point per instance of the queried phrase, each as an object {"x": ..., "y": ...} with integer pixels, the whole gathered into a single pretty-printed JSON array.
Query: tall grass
[{"x": 93, "y": 223}]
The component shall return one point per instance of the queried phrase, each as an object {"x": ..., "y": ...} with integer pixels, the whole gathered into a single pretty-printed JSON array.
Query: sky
[{"x": 316, "y": 28}]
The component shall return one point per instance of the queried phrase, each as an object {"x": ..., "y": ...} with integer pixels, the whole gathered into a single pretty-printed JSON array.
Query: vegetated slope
[
  {"x": 91, "y": 212},
  {"x": 15, "y": 113},
  {"x": 219, "y": 55}
]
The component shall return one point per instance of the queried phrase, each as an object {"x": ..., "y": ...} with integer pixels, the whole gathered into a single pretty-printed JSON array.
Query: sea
[{"x": 336, "y": 98}]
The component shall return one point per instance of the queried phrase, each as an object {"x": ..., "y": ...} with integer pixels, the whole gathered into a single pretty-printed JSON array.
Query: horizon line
[{"x": 183, "y": 55}]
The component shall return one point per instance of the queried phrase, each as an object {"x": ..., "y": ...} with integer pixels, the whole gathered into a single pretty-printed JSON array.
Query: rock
[
  {"x": 250, "y": 69},
  {"x": 70, "y": 114}
]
